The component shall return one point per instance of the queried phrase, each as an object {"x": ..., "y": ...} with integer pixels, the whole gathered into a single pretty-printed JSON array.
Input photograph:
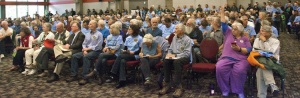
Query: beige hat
[{"x": 148, "y": 38}]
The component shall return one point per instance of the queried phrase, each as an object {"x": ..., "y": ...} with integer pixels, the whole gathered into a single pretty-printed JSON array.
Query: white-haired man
[
  {"x": 101, "y": 28},
  {"x": 178, "y": 55},
  {"x": 5, "y": 37}
]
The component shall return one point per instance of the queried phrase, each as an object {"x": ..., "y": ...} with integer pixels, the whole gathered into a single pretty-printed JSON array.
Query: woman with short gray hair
[
  {"x": 150, "y": 55},
  {"x": 232, "y": 66}
]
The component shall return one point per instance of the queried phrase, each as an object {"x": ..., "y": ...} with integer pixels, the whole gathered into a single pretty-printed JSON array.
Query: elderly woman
[
  {"x": 233, "y": 65},
  {"x": 111, "y": 51},
  {"x": 132, "y": 48},
  {"x": 31, "y": 54},
  {"x": 25, "y": 43},
  {"x": 150, "y": 55}
]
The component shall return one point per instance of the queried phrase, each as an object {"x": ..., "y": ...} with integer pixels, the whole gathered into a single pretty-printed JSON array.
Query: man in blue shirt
[
  {"x": 248, "y": 29},
  {"x": 154, "y": 30},
  {"x": 102, "y": 29},
  {"x": 91, "y": 48},
  {"x": 85, "y": 29},
  {"x": 168, "y": 28}
]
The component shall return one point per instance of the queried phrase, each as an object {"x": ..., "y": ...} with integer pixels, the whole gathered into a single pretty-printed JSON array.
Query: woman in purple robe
[{"x": 232, "y": 66}]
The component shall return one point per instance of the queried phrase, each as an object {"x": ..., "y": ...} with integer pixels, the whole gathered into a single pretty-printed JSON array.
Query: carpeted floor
[{"x": 16, "y": 85}]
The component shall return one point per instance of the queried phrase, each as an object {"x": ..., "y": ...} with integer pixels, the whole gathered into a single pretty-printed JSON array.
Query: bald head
[
  {"x": 4, "y": 24},
  {"x": 59, "y": 27}
]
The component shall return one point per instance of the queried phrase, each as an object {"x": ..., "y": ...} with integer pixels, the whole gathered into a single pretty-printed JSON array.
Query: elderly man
[
  {"x": 216, "y": 31},
  {"x": 185, "y": 9},
  {"x": 195, "y": 34},
  {"x": 167, "y": 28},
  {"x": 63, "y": 51},
  {"x": 248, "y": 29},
  {"x": 154, "y": 30},
  {"x": 91, "y": 48},
  {"x": 5, "y": 37},
  {"x": 265, "y": 78},
  {"x": 102, "y": 29},
  {"x": 85, "y": 28},
  {"x": 61, "y": 37},
  {"x": 178, "y": 55}
]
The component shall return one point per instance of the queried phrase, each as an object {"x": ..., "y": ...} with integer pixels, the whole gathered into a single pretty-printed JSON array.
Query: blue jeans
[
  {"x": 120, "y": 67},
  {"x": 86, "y": 62}
]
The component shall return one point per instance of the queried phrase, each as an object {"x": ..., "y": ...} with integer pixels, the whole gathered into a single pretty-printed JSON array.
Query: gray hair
[
  {"x": 134, "y": 21},
  {"x": 265, "y": 22},
  {"x": 266, "y": 28},
  {"x": 48, "y": 25},
  {"x": 217, "y": 20},
  {"x": 193, "y": 22},
  {"x": 239, "y": 26},
  {"x": 181, "y": 27},
  {"x": 115, "y": 28}
]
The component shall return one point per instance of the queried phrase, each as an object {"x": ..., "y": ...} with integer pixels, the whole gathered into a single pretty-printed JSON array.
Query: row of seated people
[{"x": 232, "y": 65}]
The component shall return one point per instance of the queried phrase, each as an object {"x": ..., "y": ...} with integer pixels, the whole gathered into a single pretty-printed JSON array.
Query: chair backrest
[{"x": 209, "y": 48}]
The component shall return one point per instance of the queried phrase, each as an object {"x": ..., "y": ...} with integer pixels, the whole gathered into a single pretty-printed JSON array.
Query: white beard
[{"x": 188, "y": 30}]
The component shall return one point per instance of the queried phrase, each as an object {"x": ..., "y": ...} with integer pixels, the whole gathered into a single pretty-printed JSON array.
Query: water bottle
[
  {"x": 14, "y": 53},
  {"x": 212, "y": 89}
]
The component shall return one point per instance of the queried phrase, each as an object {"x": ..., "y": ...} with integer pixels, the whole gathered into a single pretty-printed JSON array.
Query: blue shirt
[
  {"x": 206, "y": 9},
  {"x": 297, "y": 19},
  {"x": 85, "y": 31},
  {"x": 53, "y": 27},
  {"x": 160, "y": 26},
  {"x": 167, "y": 31},
  {"x": 275, "y": 31},
  {"x": 155, "y": 32},
  {"x": 133, "y": 44},
  {"x": 93, "y": 40},
  {"x": 114, "y": 42},
  {"x": 198, "y": 21},
  {"x": 32, "y": 31},
  {"x": 207, "y": 28},
  {"x": 104, "y": 31},
  {"x": 250, "y": 30},
  {"x": 17, "y": 29}
]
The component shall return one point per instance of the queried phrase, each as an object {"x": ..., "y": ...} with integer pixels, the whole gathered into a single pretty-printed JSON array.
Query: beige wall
[
  {"x": 162, "y": 3},
  {"x": 134, "y": 3},
  {"x": 195, "y": 3}
]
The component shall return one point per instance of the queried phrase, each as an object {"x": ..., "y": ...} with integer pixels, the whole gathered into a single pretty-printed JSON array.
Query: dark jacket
[
  {"x": 77, "y": 44},
  {"x": 62, "y": 37},
  {"x": 196, "y": 34},
  {"x": 271, "y": 64}
]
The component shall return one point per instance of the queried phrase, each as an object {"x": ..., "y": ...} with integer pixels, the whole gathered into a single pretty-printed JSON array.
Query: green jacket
[{"x": 271, "y": 64}]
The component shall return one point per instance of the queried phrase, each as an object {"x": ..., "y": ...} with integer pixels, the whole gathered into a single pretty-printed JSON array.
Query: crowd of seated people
[{"x": 92, "y": 40}]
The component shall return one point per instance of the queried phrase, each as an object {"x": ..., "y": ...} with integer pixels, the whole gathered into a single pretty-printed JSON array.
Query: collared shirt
[
  {"x": 53, "y": 26},
  {"x": 133, "y": 44},
  {"x": 270, "y": 45},
  {"x": 250, "y": 30},
  {"x": 93, "y": 40},
  {"x": 114, "y": 42},
  {"x": 85, "y": 30},
  {"x": 155, "y": 32},
  {"x": 275, "y": 32},
  {"x": 181, "y": 46},
  {"x": 104, "y": 31},
  {"x": 198, "y": 21},
  {"x": 167, "y": 31}
]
